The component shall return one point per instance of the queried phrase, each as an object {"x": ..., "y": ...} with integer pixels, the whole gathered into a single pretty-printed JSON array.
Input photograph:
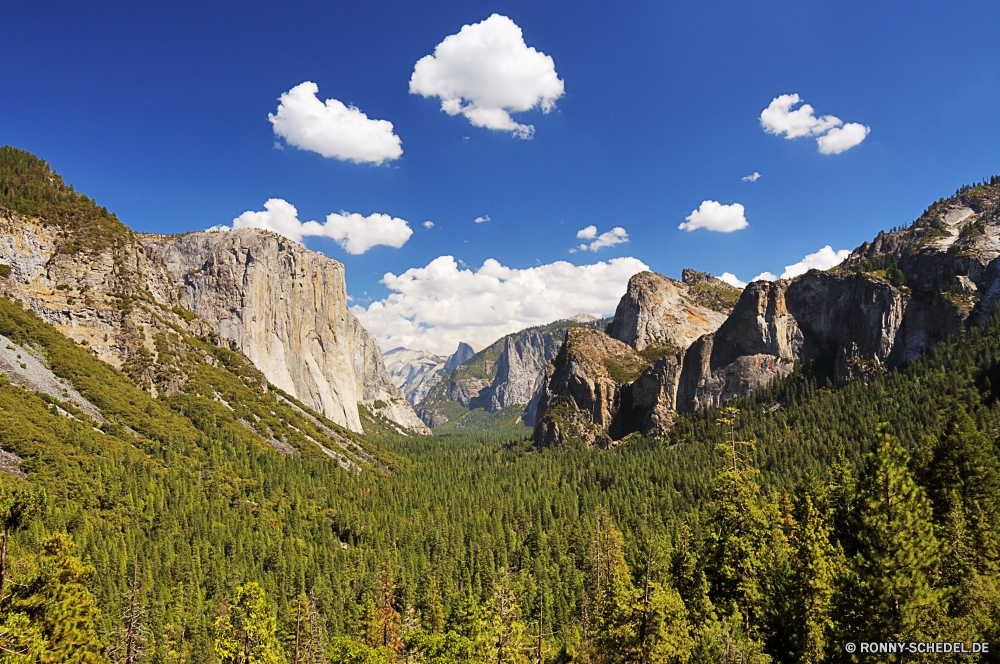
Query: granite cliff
[
  {"x": 889, "y": 301},
  {"x": 131, "y": 298},
  {"x": 285, "y": 307},
  {"x": 503, "y": 375}
]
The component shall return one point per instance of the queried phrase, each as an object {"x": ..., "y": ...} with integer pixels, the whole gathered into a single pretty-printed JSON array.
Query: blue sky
[{"x": 160, "y": 112}]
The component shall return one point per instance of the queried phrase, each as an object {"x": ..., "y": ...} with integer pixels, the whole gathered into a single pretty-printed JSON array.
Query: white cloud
[
  {"x": 486, "y": 72},
  {"x": 588, "y": 233},
  {"x": 436, "y": 306},
  {"x": 616, "y": 235},
  {"x": 713, "y": 216},
  {"x": 823, "y": 259},
  {"x": 779, "y": 119},
  {"x": 731, "y": 279},
  {"x": 843, "y": 138},
  {"x": 333, "y": 129},
  {"x": 279, "y": 216},
  {"x": 752, "y": 178},
  {"x": 428, "y": 224},
  {"x": 481, "y": 220},
  {"x": 356, "y": 234}
]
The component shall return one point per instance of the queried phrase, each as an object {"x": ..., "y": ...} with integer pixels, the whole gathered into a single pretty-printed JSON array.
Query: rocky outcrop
[
  {"x": 517, "y": 370},
  {"x": 280, "y": 304},
  {"x": 891, "y": 300},
  {"x": 507, "y": 373},
  {"x": 285, "y": 307},
  {"x": 582, "y": 401},
  {"x": 461, "y": 354},
  {"x": 103, "y": 300},
  {"x": 414, "y": 372},
  {"x": 656, "y": 311}
]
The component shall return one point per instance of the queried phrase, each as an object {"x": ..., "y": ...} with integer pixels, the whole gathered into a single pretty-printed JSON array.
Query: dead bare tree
[{"x": 129, "y": 639}]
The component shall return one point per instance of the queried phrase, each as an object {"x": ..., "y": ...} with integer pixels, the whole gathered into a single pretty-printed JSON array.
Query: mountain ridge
[{"x": 889, "y": 301}]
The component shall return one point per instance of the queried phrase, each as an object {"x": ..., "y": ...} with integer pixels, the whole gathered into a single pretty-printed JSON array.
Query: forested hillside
[
  {"x": 714, "y": 554},
  {"x": 224, "y": 522}
]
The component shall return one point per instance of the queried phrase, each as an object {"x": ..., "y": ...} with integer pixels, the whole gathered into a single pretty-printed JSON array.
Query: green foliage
[
  {"x": 60, "y": 614},
  {"x": 30, "y": 188},
  {"x": 625, "y": 369},
  {"x": 715, "y": 295},
  {"x": 892, "y": 585},
  {"x": 887, "y": 267},
  {"x": 245, "y": 629},
  {"x": 4, "y": 271},
  {"x": 654, "y": 353}
]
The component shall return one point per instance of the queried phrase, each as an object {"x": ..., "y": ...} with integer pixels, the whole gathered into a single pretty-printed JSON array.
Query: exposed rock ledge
[{"x": 285, "y": 307}]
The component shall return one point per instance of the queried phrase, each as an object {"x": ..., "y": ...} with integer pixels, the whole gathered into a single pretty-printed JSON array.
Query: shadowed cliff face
[
  {"x": 891, "y": 300},
  {"x": 285, "y": 307},
  {"x": 582, "y": 401}
]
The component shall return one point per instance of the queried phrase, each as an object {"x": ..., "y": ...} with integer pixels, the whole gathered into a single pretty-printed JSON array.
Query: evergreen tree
[
  {"x": 58, "y": 603},
  {"x": 614, "y": 621},
  {"x": 504, "y": 630},
  {"x": 892, "y": 590},
  {"x": 738, "y": 529},
  {"x": 817, "y": 566},
  {"x": 245, "y": 630}
]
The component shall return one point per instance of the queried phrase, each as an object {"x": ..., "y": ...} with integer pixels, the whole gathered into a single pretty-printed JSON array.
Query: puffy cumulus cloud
[
  {"x": 752, "y": 178},
  {"x": 356, "y": 234},
  {"x": 823, "y": 259},
  {"x": 616, "y": 235},
  {"x": 713, "y": 216},
  {"x": 731, "y": 279},
  {"x": 279, "y": 216},
  {"x": 428, "y": 224},
  {"x": 588, "y": 233},
  {"x": 436, "y": 306},
  {"x": 843, "y": 138},
  {"x": 779, "y": 119},
  {"x": 333, "y": 129},
  {"x": 486, "y": 72}
]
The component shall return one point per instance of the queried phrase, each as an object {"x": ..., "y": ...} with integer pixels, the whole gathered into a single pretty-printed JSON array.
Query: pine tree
[
  {"x": 818, "y": 565},
  {"x": 614, "y": 622},
  {"x": 58, "y": 602},
  {"x": 16, "y": 508},
  {"x": 892, "y": 590},
  {"x": 504, "y": 630},
  {"x": 245, "y": 630},
  {"x": 737, "y": 539}
]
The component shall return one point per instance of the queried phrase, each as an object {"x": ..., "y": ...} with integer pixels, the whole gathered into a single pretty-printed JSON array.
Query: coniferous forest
[{"x": 778, "y": 529}]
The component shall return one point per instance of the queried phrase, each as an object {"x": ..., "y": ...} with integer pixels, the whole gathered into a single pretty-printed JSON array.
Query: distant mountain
[
  {"x": 461, "y": 354},
  {"x": 414, "y": 372},
  {"x": 505, "y": 375}
]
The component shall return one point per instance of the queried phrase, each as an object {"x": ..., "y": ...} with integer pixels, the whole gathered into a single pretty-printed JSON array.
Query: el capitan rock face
[
  {"x": 285, "y": 307},
  {"x": 279, "y": 303}
]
